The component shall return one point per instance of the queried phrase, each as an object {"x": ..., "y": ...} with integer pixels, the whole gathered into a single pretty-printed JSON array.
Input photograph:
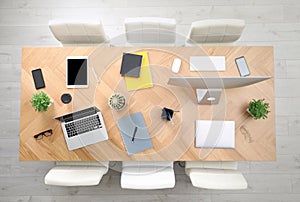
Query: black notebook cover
[{"x": 131, "y": 65}]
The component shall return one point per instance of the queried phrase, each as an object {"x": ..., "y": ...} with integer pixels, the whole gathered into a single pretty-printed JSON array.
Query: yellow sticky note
[{"x": 144, "y": 81}]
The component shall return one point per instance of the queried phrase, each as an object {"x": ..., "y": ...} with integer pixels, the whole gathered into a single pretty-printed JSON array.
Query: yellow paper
[{"x": 144, "y": 81}]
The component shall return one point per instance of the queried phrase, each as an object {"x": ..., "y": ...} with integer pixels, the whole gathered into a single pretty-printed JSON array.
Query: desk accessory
[
  {"x": 144, "y": 81},
  {"x": 40, "y": 101},
  {"x": 66, "y": 98},
  {"x": 38, "y": 78},
  {"x": 45, "y": 133},
  {"x": 131, "y": 65},
  {"x": 207, "y": 63},
  {"x": 258, "y": 109},
  {"x": 215, "y": 134},
  {"x": 117, "y": 101},
  {"x": 167, "y": 114},
  {"x": 133, "y": 129}
]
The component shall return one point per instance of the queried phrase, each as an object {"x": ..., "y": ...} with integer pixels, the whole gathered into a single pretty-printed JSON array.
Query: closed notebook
[
  {"x": 131, "y": 65},
  {"x": 215, "y": 134},
  {"x": 142, "y": 140},
  {"x": 145, "y": 80}
]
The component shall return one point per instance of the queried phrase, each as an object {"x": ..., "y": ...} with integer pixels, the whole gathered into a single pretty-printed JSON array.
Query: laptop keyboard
[{"x": 83, "y": 125}]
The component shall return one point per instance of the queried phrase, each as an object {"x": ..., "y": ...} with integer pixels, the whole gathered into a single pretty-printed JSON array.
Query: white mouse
[{"x": 176, "y": 65}]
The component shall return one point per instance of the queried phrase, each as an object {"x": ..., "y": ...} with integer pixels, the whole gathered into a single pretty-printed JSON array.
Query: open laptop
[{"x": 83, "y": 128}]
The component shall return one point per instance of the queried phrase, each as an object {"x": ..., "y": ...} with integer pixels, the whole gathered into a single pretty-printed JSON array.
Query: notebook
[
  {"x": 131, "y": 65},
  {"x": 215, "y": 134},
  {"x": 207, "y": 63},
  {"x": 145, "y": 80},
  {"x": 142, "y": 140}
]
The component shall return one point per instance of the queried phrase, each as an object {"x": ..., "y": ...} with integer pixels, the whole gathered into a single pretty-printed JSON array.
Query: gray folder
[{"x": 142, "y": 140}]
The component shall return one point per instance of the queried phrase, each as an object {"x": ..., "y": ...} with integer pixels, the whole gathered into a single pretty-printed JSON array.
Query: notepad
[
  {"x": 145, "y": 80},
  {"x": 142, "y": 140},
  {"x": 207, "y": 63},
  {"x": 215, "y": 134},
  {"x": 131, "y": 65}
]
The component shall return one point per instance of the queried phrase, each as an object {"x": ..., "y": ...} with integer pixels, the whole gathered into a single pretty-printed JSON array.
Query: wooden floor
[{"x": 269, "y": 22}]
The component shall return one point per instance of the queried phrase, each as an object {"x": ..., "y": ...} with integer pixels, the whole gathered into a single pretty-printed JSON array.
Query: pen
[
  {"x": 135, "y": 129},
  {"x": 169, "y": 115}
]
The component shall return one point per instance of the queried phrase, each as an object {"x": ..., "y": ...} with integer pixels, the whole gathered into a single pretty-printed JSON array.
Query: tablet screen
[{"x": 77, "y": 72}]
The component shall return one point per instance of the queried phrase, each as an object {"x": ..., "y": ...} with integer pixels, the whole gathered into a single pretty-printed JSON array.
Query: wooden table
[{"x": 171, "y": 142}]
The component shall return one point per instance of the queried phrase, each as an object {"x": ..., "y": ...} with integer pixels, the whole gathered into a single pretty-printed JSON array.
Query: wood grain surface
[{"x": 255, "y": 139}]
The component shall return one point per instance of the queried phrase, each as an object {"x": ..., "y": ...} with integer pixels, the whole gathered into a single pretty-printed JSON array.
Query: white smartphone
[{"x": 242, "y": 66}]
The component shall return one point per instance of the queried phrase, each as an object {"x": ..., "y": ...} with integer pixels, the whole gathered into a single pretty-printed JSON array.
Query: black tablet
[{"x": 77, "y": 71}]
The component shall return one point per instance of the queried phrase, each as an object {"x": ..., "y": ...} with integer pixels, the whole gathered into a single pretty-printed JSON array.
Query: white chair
[
  {"x": 71, "y": 33},
  {"x": 147, "y": 175},
  {"x": 215, "y": 175},
  {"x": 215, "y": 31},
  {"x": 150, "y": 31},
  {"x": 76, "y": 173}
]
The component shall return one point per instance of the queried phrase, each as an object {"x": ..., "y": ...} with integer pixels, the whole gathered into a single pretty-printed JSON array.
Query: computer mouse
[
  {"x": 176, "y": 65},
  {"x": 66, "y": 98}
]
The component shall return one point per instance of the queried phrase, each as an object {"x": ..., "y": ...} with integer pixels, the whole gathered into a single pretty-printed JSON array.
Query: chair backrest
[
  {"x": 76, "y": 32},
  {"x": 148, "y": 164},
  {"x": 150, "y": 30},
  {"x": 215, "y": 31},
  {"x": 228, "y": 165},
  {"x": 75, "y": 173},
  {"x": 83, "y": 163},
  {"x": 218, "y": 179}
]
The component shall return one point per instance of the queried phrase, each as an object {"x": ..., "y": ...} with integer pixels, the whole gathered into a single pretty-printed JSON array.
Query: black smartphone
[
  {"x": 38, "y": 78},
  {"x": 242, "y": 66}
]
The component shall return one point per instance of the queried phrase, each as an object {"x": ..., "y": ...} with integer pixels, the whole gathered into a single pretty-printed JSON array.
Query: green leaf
[
  {"x": 259, "y": 109},
  {"x": 40, "y": 101}
]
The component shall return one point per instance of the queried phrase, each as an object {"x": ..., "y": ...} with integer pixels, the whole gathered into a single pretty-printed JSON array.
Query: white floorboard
[{"x": 268, "y": 22}]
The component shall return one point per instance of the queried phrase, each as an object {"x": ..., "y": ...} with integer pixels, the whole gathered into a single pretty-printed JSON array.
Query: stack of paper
[{"x": 144, "y": 81}]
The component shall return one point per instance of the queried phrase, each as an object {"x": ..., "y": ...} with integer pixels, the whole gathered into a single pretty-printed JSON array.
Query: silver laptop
[{"x": 83, "y": 128}]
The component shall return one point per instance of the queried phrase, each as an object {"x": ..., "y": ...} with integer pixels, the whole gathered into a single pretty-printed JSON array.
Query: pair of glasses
[
  {"x": 246, "y": 134},
  {"x": 46, "y": 133}
]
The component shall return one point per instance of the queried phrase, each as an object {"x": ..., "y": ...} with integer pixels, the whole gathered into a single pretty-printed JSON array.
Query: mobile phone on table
[
  {"x": 242, "y": 66},
  {"x": 38, "y": 78}
]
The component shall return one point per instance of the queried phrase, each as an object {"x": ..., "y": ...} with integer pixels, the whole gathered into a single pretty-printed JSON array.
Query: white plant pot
[
  {"x": 117, "y": 101},
  {"x": 247, "y": 110}
]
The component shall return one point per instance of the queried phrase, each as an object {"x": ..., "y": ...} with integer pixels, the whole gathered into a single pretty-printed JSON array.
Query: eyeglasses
[
  {"x": 46, "y": 133},
  {"x": 246, "y": 134}
]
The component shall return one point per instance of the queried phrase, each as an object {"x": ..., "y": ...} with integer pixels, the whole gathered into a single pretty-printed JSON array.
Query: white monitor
[
  {"x": 216, "y": 82},
  {"x": 209, "y": 88}
]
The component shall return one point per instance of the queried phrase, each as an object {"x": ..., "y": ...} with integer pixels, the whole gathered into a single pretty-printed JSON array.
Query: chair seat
[
  {"x": 217, "y": 179},
  {"x": 212, "y": 164},
  {"x": 75, "y": 175},
  {"x": 147, "y": 178}
]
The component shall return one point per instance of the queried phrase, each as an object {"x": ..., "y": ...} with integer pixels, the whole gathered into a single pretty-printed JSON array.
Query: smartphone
[
  {"x": 38, "y": 78},
  {"x": 242, "y": 66}
]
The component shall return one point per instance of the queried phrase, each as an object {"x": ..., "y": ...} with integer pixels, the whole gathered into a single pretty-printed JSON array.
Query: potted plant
[
  {"x": 40, "y": 101},
  {"x": 258, "y": 109}
]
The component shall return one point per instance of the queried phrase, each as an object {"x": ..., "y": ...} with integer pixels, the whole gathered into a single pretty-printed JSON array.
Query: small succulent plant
[
  {"x": 40, "y": 101},
  {"x": 258, "y": 109}
]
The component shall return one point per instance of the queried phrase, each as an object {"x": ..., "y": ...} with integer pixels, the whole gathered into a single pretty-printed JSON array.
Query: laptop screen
[{"x": 78, "y": 114}]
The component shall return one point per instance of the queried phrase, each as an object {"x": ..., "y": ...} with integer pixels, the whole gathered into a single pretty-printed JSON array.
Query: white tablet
[{"x": 77, "y": 71}]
